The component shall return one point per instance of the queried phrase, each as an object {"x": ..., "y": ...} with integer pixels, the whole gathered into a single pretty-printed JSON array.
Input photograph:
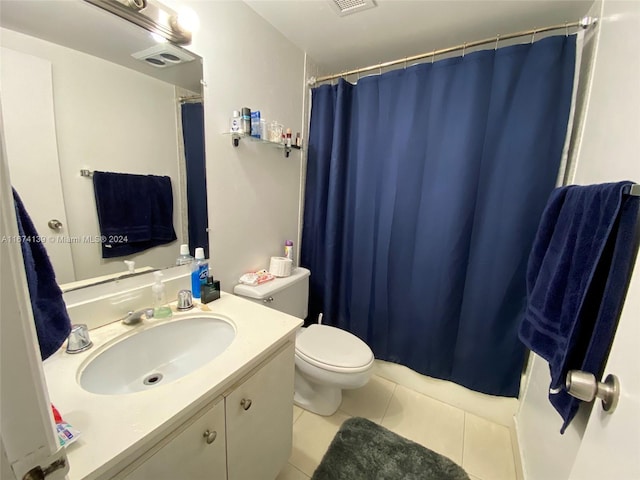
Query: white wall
[
  {"x": 607, "y": 152},
  {"x": 253, "y": 190},
  {"x": 107, "y": 118}
]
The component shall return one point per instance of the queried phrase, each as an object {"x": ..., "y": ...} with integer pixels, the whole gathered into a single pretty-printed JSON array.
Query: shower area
[{"x": 426, "y": 180}]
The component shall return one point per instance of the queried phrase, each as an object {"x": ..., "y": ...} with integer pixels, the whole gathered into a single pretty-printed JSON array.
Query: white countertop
[{"x": 115, "y": 429}]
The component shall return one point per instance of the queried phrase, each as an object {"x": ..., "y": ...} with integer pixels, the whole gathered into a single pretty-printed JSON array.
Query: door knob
[
  {"x": 55, "y": 224},
  {"x": 585, "y": 387}
]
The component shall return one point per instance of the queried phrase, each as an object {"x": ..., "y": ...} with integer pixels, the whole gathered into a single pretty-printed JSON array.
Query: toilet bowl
[{"x": 327, "y": 361}]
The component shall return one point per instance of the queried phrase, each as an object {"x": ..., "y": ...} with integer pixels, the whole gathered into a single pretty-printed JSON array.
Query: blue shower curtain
[{"x": 424, "y": 189}]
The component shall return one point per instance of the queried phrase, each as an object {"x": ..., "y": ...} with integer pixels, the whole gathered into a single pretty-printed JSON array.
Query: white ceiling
[{"x": 401, "y": 28}]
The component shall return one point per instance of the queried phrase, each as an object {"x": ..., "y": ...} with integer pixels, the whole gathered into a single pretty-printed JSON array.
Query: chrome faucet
[{"x": 135, "y": 317}]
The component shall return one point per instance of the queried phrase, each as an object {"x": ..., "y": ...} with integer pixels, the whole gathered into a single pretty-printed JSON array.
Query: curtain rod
[{"x": 584, "y": 23}]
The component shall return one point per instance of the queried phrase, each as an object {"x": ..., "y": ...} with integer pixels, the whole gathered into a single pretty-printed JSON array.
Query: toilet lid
[{"x": 330, "y": 346}]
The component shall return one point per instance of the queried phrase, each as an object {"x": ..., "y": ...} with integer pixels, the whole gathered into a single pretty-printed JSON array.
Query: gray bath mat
[{"x": 363, "y": 450}]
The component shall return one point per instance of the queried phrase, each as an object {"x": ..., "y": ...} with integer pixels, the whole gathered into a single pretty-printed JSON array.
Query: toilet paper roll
[{"x": 280, "y": 266}]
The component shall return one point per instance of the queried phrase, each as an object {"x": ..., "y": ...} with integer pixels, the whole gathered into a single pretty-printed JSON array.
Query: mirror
[{"x": 75, "y": 99}]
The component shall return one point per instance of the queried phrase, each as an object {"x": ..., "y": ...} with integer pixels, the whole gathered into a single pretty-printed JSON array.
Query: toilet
[{"x": 327, "y": 359}]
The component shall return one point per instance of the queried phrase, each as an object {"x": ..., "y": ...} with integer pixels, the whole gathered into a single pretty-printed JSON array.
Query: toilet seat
[{"x": 333, "y": 349}]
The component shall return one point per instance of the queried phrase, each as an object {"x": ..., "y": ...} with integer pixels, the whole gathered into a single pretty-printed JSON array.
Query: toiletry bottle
[
  {"x": 235, "y": 123},
  {"x": 160, "y": 307},
  {"x": 255, "y": 124},
  {"x": 184, "y": 258},
  {"x": 246, "y": 120},
  {"x": 298, "y": 140},
  {"x": 288, "y": 250},
  {"x": 288, "y": 137},
  {"x": 263, "y": 129},
  {"x": 199, "y": 272}
]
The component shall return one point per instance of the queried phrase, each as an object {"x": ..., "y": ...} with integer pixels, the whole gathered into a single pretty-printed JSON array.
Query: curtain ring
[
  {"x": 433, "y": 57},
  {"x": 497, "y": 40},
  {"x": 533, "y": 36},
  {"x": 380, "y": 69},
  {"x": 464, "y": 47},
  {"x": 566, "y": 29},
  {"x": 405, "y": 63},
  {"x": 358, "y": 76}
]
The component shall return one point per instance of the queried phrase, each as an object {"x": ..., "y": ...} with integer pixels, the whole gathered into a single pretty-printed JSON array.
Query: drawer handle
[
  {"x": 246, "y": 403},
  {"x": 210, "y": 436}
]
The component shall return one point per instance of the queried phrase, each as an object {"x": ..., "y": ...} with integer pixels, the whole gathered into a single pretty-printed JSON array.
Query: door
[
  {"x": 611, "y": 443},
  {"x": 259, "y": 420},
  {"x": 26, "y": 422},
  {"x": 26, "y": 89},
  {"x": 609, "y": 152},
  {"x": 195, "y": 452}
]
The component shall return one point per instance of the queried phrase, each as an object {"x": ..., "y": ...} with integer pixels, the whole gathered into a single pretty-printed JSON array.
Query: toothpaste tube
[{"x": 66, "y": 433}]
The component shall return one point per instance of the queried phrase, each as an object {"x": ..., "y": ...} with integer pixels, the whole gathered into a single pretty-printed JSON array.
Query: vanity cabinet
[{"x": 246, "y": 434}]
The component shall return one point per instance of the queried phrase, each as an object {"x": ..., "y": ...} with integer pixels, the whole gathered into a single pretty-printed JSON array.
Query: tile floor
[{"x": 481, "y": 447}]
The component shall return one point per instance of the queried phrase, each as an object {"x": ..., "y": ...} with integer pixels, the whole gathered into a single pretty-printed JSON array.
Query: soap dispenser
[{"x": 160, "y": 307}]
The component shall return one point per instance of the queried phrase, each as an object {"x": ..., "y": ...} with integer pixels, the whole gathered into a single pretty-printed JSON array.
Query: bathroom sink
[{"x": 156, "y": 356}]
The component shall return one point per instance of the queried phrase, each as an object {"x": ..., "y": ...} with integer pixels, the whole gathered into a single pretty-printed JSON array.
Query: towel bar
[{"x": 633, "y": 190}]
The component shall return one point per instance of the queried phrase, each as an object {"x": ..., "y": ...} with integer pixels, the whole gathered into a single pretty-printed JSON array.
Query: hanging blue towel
[
  {"x": 574, "y": 295},
  {"x": 135, "y": 212},
  {"x": 49, "y": 310}
]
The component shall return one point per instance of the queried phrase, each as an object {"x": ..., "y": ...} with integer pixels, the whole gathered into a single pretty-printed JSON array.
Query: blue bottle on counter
[{"x": 199, "y": 272}]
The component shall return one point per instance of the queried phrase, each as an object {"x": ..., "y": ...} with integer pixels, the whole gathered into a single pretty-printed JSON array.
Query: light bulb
[{"x": 188, "y": 20}]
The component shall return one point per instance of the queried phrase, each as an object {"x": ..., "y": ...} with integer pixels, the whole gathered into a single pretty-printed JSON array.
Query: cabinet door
[
  {"x": 259, "y": 433},
  {"x": 187, "y": 453}
]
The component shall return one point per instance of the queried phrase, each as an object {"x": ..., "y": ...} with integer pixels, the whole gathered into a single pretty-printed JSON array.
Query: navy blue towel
[
  {"x": 574, "y": 293},
  {"x": 49, "y": 311},
  {"x": 135, "y": 212}
]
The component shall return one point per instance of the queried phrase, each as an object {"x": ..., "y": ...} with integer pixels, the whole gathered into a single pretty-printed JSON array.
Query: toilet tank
[{"x": 285, "y": 294}]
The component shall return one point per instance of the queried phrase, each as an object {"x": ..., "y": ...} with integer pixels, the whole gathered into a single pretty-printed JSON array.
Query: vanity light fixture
[{"x": 153, "y": 16}]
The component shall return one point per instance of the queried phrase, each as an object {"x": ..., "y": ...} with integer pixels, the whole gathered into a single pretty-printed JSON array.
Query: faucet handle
[
  {"x": 79, "y": 340},
  {"x": 185, "y": 300}
]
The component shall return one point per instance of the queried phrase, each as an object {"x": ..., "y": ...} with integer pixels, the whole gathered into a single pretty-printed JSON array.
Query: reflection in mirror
[{"x": 75, "y": 98}]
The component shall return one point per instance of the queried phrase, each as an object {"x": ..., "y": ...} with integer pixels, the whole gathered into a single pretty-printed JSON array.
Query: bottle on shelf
[
  {"x": 235, "y": 122},
  {"x": 288, "y": 138},
  {"x": 246, "y": 120}
]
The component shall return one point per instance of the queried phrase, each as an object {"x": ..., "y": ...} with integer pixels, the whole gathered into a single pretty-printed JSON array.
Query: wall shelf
[{"x": 236, "y": 137}]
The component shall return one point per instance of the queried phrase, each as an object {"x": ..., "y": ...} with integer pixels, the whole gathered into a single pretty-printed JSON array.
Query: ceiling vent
[
  {"x": 348, "y": 7},
  {"x": 163, "y": 55}
]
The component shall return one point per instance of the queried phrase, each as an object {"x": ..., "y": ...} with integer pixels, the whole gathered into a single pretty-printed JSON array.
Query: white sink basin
[{"x": 156, "y": 356}]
